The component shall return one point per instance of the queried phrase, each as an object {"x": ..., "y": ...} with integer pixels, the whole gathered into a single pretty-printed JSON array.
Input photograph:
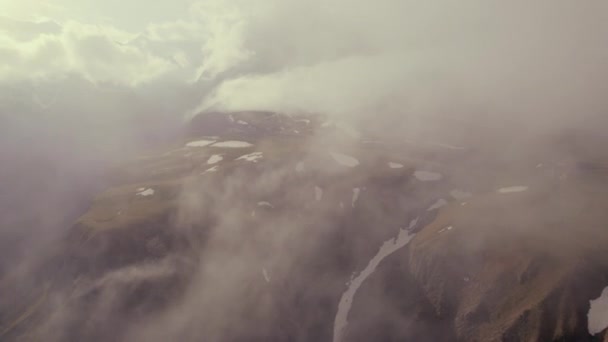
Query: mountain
[{"x": 259, "y": 226}]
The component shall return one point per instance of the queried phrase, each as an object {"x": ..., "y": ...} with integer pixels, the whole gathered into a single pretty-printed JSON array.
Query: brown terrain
[{"x": 281, "y": 220}]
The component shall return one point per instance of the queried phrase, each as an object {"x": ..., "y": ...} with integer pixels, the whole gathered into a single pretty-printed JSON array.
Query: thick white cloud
[
  {"x": 224, "y": 46},
  {"x": 335, "y": 56},
  {"x": 98, "y": 54},
  {"x": 207, "y": 40},
  {"x": 341, "y": 57}
]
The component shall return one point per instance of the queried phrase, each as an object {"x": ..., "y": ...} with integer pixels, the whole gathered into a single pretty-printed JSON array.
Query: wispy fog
[{"x": 85, "y": 85}]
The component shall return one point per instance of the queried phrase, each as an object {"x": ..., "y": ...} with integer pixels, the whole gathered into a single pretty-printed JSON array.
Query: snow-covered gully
[{"x": 388, "y": 247}]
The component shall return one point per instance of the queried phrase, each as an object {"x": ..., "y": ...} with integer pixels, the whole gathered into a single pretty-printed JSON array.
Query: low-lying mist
[{"x": 506, "y": 80}]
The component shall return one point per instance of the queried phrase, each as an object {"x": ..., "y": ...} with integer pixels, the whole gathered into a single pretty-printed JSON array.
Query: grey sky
[
  {"x": 339, "y": 57},
  {"x": 85, "y": 83},
  {"x": 128, "y": 15}
]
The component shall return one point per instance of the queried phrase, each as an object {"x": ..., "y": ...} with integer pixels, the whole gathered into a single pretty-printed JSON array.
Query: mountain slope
[{"x": 255, "y": 225}]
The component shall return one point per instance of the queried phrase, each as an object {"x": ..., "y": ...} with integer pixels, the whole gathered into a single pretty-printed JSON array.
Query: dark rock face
[
  {"x": 392, "y": 306},
  {"x": 249, "y": 124},
  {"x": 213, "y": 123}
]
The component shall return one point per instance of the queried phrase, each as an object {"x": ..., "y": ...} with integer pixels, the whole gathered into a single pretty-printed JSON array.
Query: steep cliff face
[{"x": 517, "y": 266}]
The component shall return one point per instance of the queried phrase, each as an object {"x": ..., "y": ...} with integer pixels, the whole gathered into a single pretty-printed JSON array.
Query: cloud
[
  {"x": 520, "y": 61},
  {"x": 82, "y": 90},
  {"x": 297, "y": 89},
  {"x": 206, "y": 42},
  {"x": 98, "y": 54},
  {"x": 338, "y": 57},
  {"x": 224, "y": 44}
]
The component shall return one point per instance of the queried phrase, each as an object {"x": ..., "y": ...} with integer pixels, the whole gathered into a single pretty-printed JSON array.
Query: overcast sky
[
  {"x": 346, "y": 58},
  {"x": 87, "y": 82},
  {"x": 129, "y": 15}
]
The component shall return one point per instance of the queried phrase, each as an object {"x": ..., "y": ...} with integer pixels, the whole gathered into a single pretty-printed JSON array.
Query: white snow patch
[
  {"x": 252, "y": 157},
  {"x": 388, "y": 247},
  {"x": 344, "y": 159},
  {"x": 211, "y": 169},
  {"x": 241, "y": 122},
  {"x": 265, "y": 204},
  {"x": 440, "y": 203},
  {"x": 318, "y": 193},
  {"x": 427, "y": 176},
  {"x": 140, "y": 189},
  {"x": 200, "y": 143},
  {"x": 300, "y": 167},
  {"x": 145, "y": 192},
  {"x": 232, "y": 144},
  {"x": 460, "y": 194},
  {"x": 446, "y": 229},
  {"x": 265, "y": 274},
  {"x": 597, "y": 316},
  {"x": 356, "y": 193},
  {"x": 306, "y": 121},
  {"x": 512, "y": 189},
  {"x": 231, "y": 118},
  {"x": 214, "y": 159},
  {"x": 395, "y": 165}
]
